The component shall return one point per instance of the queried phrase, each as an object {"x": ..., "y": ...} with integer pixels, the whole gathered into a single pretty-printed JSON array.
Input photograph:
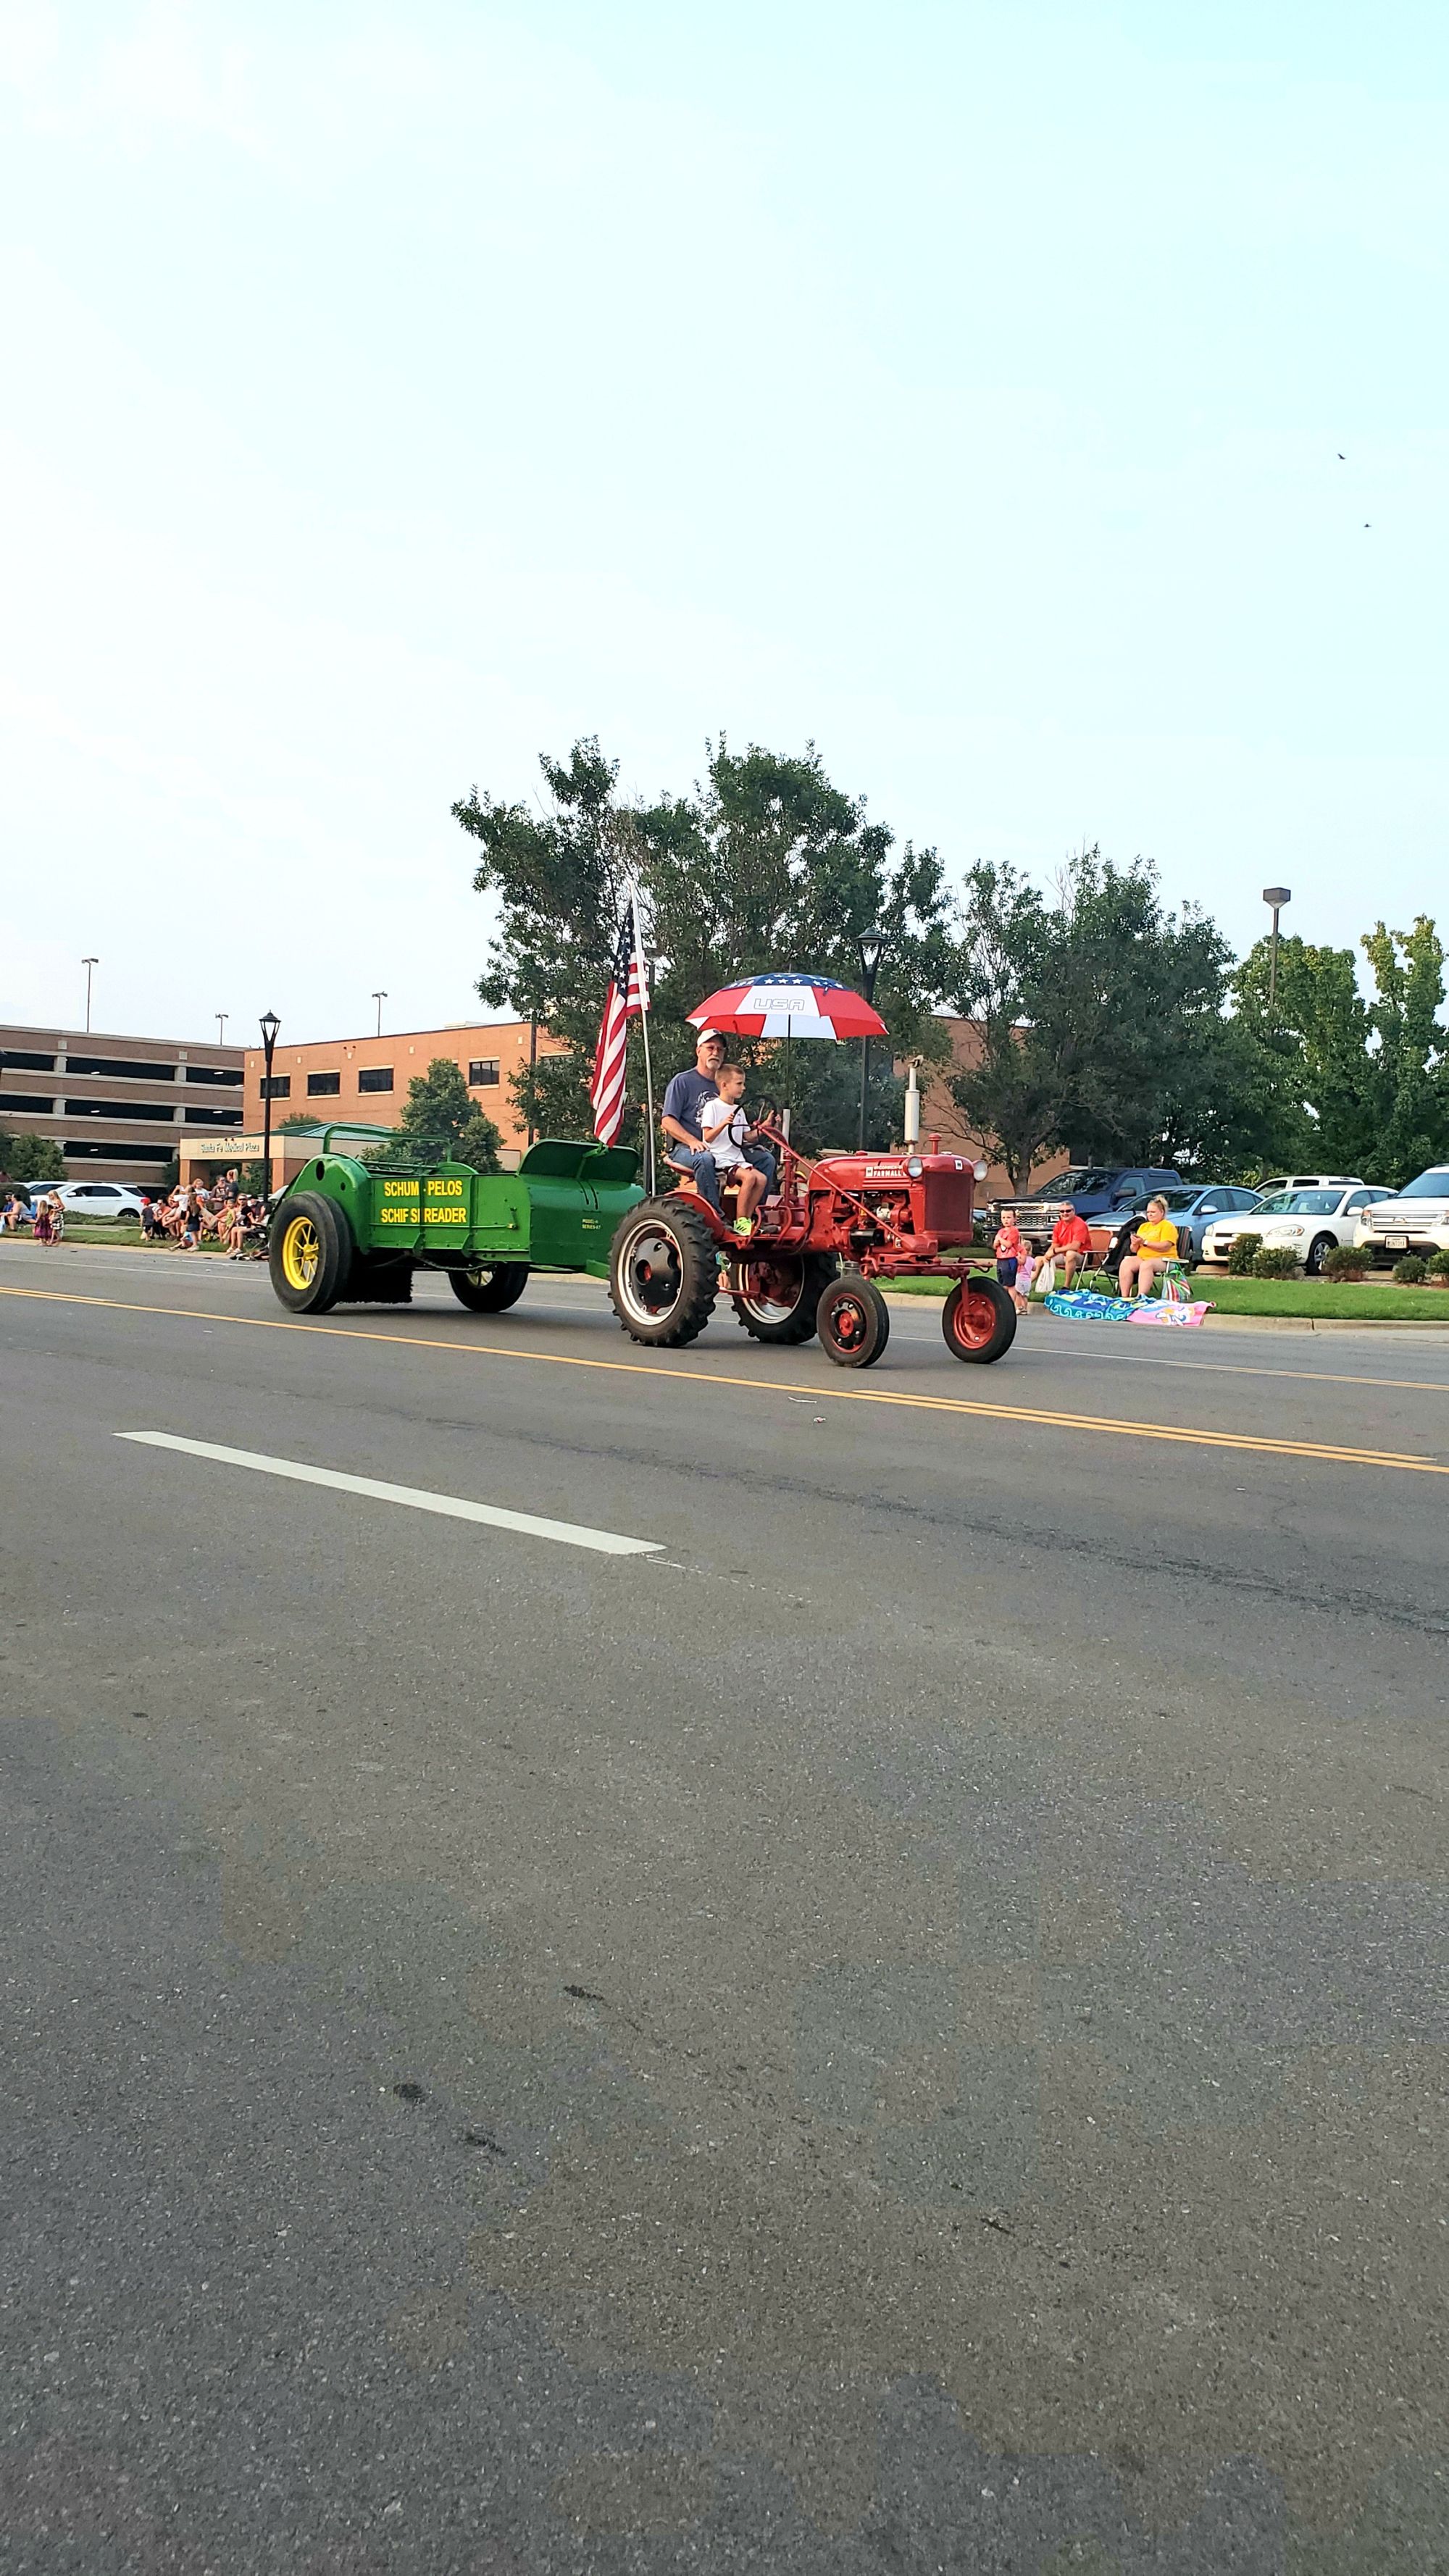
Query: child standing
[{"x": 1010, "y": 1250}]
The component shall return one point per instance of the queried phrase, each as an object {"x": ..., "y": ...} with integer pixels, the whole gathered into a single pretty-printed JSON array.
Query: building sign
[{"x": 223, "y": 1149}]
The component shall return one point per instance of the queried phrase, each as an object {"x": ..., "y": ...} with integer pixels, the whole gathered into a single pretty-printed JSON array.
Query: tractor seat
[{"x": 688, "y": 1187}]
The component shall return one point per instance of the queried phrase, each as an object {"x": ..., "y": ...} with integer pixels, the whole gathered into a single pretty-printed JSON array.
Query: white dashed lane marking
[{"x": 371, "y": 1489}]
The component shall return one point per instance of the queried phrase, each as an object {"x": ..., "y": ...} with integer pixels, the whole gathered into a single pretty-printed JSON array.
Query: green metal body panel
[{"x": 558, "y": 1211}]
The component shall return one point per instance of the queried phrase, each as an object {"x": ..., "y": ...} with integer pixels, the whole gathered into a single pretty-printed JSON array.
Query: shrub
[
  {"x": 31, "y": 1158},
  {"x": 1348, "y": 1261},
  {"x": 1243, "y": 1251},
  {"x": 1439, "y": 1266},
  {"x": 1276, "y": 1261},
  {"x": 1410, "y": 1270}
]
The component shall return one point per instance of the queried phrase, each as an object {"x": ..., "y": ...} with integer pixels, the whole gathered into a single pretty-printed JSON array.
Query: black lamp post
[
  {"x": 1274, "y": 897},
  {"x": 270, "y": 1026},
  {"x": 872, "y": 945}
]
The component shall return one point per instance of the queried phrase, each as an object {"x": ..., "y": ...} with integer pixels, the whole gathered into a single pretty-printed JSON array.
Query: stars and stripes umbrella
[{"x": 788, "y": 1006}]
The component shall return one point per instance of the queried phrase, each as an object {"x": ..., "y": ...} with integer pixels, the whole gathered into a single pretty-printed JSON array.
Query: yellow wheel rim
[{"x": 301, "y": 1253}]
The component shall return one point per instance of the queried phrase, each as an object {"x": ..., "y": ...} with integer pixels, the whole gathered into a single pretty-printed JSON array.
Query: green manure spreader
[{"x": 354, "y": 1232}]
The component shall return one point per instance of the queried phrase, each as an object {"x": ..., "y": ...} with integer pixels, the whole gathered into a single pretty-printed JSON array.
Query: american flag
[{"x": 628, "y": 994}]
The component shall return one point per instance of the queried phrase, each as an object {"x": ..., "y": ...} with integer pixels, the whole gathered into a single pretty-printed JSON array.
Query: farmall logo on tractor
[{"x": 885, "y": 1171}]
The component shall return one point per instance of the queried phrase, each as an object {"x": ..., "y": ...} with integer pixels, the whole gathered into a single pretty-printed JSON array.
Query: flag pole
[{"x": 644, "y": 1033}]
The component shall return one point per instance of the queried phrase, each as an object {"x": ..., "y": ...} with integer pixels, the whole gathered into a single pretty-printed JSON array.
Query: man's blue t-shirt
[{"x": 685, "y": 1096}]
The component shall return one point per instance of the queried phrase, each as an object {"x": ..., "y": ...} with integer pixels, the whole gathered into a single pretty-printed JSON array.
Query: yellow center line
[{"x": 1182, "y": 1434}]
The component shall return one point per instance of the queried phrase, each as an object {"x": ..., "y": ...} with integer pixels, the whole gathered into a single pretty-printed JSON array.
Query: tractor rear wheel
[
  {"x": 663, "y": 1273},
  {"x": 781, "y": 1292},
  {"x": 853, "y": 1321},
  {"x": 311, "y": 1253},
  {"x": 979, "y": 1320},
  {"x": 488, "y": 1287}
]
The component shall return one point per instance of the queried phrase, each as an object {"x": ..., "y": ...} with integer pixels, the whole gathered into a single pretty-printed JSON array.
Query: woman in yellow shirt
[{"x": 1153, "y": 1246}]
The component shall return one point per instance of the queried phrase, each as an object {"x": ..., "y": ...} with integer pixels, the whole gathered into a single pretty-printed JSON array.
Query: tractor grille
[{"x": 949, "y": 1197}]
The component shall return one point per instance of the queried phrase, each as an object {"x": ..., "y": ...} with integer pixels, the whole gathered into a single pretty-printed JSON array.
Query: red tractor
[{"x": 811, "y": 1263}]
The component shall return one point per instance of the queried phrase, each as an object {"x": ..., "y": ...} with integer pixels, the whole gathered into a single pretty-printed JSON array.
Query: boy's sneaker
[{"x": 743, "y": 1225}]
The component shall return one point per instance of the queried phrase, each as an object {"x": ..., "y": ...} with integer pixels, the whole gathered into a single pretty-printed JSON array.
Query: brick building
[
  {"x": 116, "y": 1106},
  {"x": 367, "y": 1078}
]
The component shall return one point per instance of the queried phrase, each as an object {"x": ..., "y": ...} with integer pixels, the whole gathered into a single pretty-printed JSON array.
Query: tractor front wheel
[
  {"x": 853, "y": 1321},
  {"x": 663, "y": 1273},
  {"x": 779, "y": 1293},
  {"x": 489, "y": 1287},
  {"x": 979, "y": 1321},
  {"x": 310, "y": 1254}
]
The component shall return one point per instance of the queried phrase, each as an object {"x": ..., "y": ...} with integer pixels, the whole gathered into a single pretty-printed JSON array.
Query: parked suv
[
  {"x": 93, "y": 1198},
  {"x": 1307, "y": 1221},
  {"x": 1416, "y": 1220},
  {"x": 1100, "y": 1192}
]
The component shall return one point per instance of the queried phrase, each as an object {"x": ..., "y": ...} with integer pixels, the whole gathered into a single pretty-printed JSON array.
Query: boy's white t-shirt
[{"x": 727, "y": 1140}]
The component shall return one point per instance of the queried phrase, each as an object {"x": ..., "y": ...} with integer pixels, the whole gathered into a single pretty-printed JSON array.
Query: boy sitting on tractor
[{"x": 723, "y": 1125}]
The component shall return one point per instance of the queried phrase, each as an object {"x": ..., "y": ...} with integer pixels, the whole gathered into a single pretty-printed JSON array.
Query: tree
[
  {"x": 1314, "y": 1038},
  {"x": 31, "y": 1158},
  {"x": 766, "y": 865},
  {"x": 1411, "y": 1062},
  {"x": 1101, "y": 1016},
  {"x": 1367, "y": 1084},
  {"x": 440, "y": 1123}
]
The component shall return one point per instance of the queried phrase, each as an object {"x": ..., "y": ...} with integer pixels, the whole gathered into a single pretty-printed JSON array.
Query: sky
[{"x": 995, "y": 396}]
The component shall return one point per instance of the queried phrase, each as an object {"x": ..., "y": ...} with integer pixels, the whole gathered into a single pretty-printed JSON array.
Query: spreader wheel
[
  {"x": 779, "y": 1293},
  {"x": 486, "y": 1288},
  {"x": 663, "y": 1272},
  {"x": 979, "y": 1321},
  {"x": 310, "y": 1253},
  {"x": 853, "y": 1321}
]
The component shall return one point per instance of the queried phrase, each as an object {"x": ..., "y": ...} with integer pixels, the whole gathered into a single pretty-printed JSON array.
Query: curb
[{"x": 1263, "y": 1323}]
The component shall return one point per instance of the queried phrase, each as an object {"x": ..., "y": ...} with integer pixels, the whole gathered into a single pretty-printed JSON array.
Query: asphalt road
[{"x": 900, "y": 2026}]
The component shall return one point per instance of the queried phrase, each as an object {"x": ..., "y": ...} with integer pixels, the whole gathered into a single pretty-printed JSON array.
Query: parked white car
[
  {"x": 1309, "y": 1222},
  {"x": 1416, "y": 1220},
  {"x": 92, "y": 1199}
]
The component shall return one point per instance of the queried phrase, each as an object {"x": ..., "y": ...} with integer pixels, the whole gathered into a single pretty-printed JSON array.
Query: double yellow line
[{"x": 1182, "y": 1435}]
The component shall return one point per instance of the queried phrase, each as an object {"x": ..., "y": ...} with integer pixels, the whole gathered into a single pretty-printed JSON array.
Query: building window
[
  {"x": 375, "y": 1077},
  {"x": 26, "y": 1061},
  {"x": 34, "y": 1100},
  {"x": 483, "y": 1073},
  {"x": 323, "y": 1086},
  {"x": 279, "y": 1087},
  {"x": 210, "y": 1073}
]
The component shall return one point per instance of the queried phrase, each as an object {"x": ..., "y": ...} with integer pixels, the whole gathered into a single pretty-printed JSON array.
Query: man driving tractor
[{"x": 680, "y": 1119}]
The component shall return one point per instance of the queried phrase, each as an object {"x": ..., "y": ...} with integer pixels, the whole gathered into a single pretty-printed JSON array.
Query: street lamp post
[
  {"x": 379, "y": 998},
  {"x": 221, "y": 1020},
  {"x": 88, "y": 963},
  {"x": 872, "y": 945},
  {"x": 270, "y": 1026},
  {"x": 1274, "y": 897}
]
